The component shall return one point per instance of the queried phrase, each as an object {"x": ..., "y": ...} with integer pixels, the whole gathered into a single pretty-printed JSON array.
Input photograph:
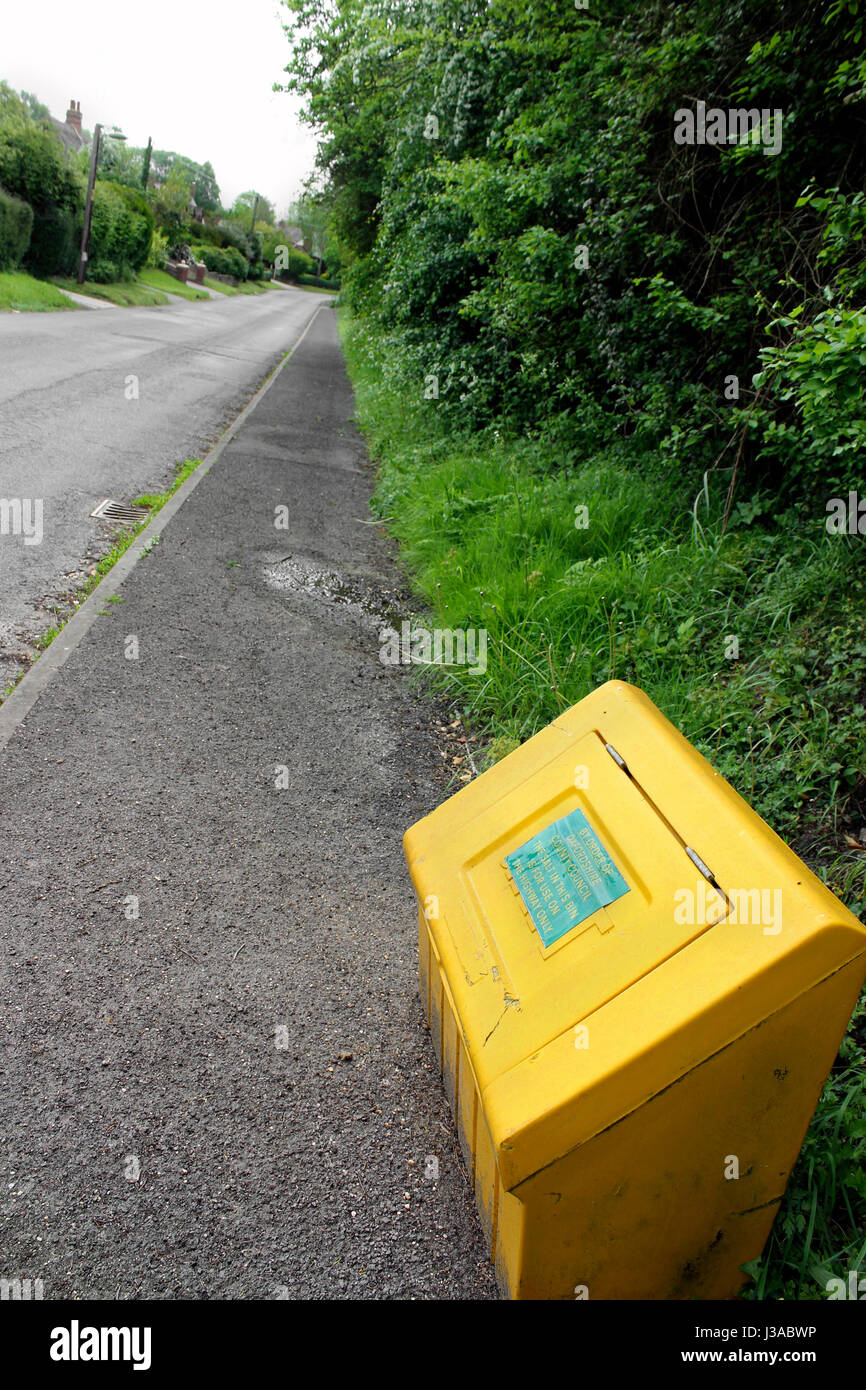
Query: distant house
[
  {"x": 294, "y": 237},
  {"x": 70, "y": 131}
]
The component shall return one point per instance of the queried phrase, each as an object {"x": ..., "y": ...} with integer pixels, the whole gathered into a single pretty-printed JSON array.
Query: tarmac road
[
  {"x": 216, "y": 1081},
  {"x": 96, "y": 405}
]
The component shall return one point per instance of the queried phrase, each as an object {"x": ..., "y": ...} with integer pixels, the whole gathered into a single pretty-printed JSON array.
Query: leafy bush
[
  {"x": 240, "y": 266},
  {"x": 35, "y": 167},
  {"x": 121, "y": 230},
  {"x": 158, "y": 253},
  {"x": 214, "y": 258},
  {"x": 333, "y": 260},
  {"x": 212, "y": 235},
  {"x": 138, "y": 231},
  {"x": 55, "y": 242},
  {"x": 223, "y": 260},
  {"x": 241, "y": 251},
  {"x": 104, "y": 272},
  {"x": 16, "y": 224},
  {"x": 815, "y": 425},
  {"x": 298, "y": 264},
  {"x": 248, "y": 243},
  {"x": 507, "y": 181}
]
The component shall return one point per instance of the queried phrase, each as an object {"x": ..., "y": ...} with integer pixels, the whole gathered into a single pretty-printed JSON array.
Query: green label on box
[{"x": 564, "y": 875}]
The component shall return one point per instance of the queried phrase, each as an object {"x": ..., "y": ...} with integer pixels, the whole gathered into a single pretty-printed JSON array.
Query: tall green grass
[{"x": 751, "y": 641}]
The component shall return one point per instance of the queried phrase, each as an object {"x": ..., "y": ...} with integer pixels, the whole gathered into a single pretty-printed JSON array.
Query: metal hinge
[
  {"x": 701, "y": 867},
  {"x": 620, "y": 762}
]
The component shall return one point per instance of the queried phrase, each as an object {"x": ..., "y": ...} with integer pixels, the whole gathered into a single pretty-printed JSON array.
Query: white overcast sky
[{"x": 196, "y": 75}]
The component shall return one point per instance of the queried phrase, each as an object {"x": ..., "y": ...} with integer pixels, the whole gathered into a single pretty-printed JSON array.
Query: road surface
[
  {"x": 216, "y": 1081},
  {"x": 96, "y": 405}
]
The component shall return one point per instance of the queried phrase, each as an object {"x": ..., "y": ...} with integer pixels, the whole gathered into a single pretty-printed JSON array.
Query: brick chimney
[{"x": 73, "y": 115}]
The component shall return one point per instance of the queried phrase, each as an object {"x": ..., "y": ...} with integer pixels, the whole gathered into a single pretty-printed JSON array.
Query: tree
[
  {"x": 271, "y": 239},
  {"x": 120, "y": 162},
  {"x": 145, "y": 168},
  {"x": 242, "y": 208},
  {"x": 507, "y": 179},
  {"x": 206, "y": 188},
  {"x": 38, "y": 110},
  {"x": 362, "y": 69},
  {"x": 173, "y": 202},
  {"x": 14, "y": 110},
  {"x": 314, "y": 215},
  {"x": 199, "y": 177}
]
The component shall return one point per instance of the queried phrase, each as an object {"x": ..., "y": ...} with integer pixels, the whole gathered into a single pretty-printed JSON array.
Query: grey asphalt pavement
[
  {"x": 97, "y": 405},
  {"x": 216, "y": 1078}
]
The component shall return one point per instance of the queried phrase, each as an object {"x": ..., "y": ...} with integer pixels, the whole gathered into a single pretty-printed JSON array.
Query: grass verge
[
  {"x": 332, "y": 290},
  {"x": 219, "y": 286},
  {"x": 583, "y": 570},
  {"x": 24, "y": 294},
  {"x": 243, "y": 286},
  {"x": 160, "y": 280},
  {"x": 123, "y": 294}
]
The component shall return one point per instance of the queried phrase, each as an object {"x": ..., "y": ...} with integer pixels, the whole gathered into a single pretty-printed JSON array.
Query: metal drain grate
[{"x": 122, "y": 512}]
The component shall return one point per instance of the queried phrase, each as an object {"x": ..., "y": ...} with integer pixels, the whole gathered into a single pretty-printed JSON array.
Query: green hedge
[
  {"x": 227, "y": 234},
  {"x": 16, "y": 225},
  {"x": 35, "y": 167},
  {"x": 225, "y": 260},
  {"x": 120, "y": 232},
  {"x": 323, "y": 282},
  {"x": 211, "y": 236},
  {"x": 54, "y": 243}
]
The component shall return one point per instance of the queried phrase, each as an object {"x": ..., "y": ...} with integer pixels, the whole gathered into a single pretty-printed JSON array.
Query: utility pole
[
  {"x": 88, "y": 206},
  {"x": 255, "y": 210}
]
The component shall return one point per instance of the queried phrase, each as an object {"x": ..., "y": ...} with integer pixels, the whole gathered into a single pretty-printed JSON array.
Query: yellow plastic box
[{"x": 631, "y": 1079}]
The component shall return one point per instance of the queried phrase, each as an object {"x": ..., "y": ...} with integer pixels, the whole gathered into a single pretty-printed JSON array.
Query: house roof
[
  {"x": 71, "y": 136},
  {"x": 294, "y": 234}
]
